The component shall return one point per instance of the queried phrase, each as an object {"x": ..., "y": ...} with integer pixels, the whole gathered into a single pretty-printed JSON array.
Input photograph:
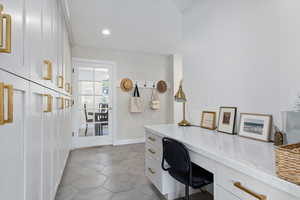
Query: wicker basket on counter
[{"x": 288, "y": 162}]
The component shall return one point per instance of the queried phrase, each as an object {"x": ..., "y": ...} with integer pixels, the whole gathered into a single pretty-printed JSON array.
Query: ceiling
[{"x": 136, "y": 25}]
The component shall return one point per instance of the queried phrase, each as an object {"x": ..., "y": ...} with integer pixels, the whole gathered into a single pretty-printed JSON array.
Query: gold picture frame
[{"x": 208, "y": 120}]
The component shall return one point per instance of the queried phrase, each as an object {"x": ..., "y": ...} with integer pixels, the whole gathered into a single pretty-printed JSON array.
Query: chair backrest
[
  {"x": 85, "y": 112},
  {"x": 103, "y": 117},
  {"x": 176, "y": 155},
  {"x": 103, "y": 107}
]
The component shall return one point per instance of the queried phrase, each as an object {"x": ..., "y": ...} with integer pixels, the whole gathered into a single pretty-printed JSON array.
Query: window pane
[
  {"x": 85, "y": 73},
  {"x": 87, "y": 116},
  {"x": 101, "y": 88},
  {"x": 101, "y": 74},
  {"x": 86, "y": 88},
  {"x": 101, "y": 100},
  {"x": 86, "y": 101}
]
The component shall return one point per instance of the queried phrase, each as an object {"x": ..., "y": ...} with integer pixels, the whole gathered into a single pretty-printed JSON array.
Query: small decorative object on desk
[
  {"x": 227, "y": 117},
  {"x": 208, "y": 120},
  {"x": 288, "y": 162},
  {"x": 278, "y": 137},
  {"x": 256, "y": 126}
]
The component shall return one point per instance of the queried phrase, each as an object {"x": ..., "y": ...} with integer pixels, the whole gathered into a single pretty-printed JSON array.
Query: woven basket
[{"x": 288, "y": 162}]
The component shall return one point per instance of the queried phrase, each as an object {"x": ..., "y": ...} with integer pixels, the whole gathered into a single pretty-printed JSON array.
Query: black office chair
[
  {"x": 181, "y": 168},
  {"x": 87, "y": 119}
]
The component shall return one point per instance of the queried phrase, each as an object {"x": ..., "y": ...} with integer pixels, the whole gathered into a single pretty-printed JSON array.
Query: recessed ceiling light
[{"x": 105, "y": 32}]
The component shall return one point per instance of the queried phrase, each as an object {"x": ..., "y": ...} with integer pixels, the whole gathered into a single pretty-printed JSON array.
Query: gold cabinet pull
[
  {"x": 151, "y": 151},
  {"x": 151, "y": 170},
  {"x": 7, "y": 18},
  {"x": 68, "y": 87},
  {"x": 62, "y": 103},
  {"x": 49, "y": 103},
  {"x": 10, "y": 106},
  {"x": 152, "y": 139},
  {"x": 1, "y": 103},
  {"x": 48, "y": 76},
  {"x": 254, "y": 194},
  {"x": 60, "y": 82},
  {"x": 10, "y": 110}
]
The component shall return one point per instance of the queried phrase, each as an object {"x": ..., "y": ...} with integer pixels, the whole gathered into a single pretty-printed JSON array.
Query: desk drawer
[
  {"x": 154, "y": 152},
  {"x": 221, "y": 194},
  {"x": 154, "y": 172},
  {"x": 248, "y": 188},
  {"x": 154, "y": 140}
]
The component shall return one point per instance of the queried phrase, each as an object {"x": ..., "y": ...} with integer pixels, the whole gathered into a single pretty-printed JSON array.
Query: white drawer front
[
  {"x": 154, "y": 152},
  {"x": 221, "y": 194},
  {"x": 247, "y": 188},
  {"x": 154, "y": 172},
  {"x": 154, "y": 140}
]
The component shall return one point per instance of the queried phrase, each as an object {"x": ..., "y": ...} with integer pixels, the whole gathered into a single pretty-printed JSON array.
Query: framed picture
[
  {"x": 227, "y": 116},
  {"x": 256, "y": 126},
  {"x": 208, "y": 120}
]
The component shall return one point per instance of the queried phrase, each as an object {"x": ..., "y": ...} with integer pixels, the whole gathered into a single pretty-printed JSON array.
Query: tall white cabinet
[{"x": 35, "y": 105}]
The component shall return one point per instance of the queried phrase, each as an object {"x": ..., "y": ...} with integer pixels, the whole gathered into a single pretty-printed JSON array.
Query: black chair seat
[{"x": 200, "y": 177}]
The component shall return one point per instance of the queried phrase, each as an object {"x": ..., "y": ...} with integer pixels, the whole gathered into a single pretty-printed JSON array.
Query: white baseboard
[{"x": 130, "y": 141}]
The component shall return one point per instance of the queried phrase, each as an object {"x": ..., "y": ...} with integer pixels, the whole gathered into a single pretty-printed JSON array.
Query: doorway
[{"x": 93, "y": 110}]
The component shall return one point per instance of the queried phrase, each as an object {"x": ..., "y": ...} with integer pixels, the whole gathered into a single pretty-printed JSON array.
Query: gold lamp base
[{"x": 184, "y": 123}]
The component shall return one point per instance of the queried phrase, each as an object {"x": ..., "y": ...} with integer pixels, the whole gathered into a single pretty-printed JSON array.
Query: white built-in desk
[{"x": 232, "y": 160}]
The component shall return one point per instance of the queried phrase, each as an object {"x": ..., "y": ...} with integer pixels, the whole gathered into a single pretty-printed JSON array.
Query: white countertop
[{"x": 251, "y": 157}]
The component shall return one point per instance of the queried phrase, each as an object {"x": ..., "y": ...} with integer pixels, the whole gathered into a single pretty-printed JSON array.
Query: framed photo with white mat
[
  {"x": 256, "y": 126},
  {"x": 227, "y": 120}
]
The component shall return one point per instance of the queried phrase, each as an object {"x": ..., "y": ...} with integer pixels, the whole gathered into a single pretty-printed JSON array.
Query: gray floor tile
[{"x": 109, "y": 173}]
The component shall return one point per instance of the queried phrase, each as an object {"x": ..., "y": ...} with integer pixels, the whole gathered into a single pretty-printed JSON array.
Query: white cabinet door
[
  {"x": 34, "y": 39},
  {"x": 13, "y": 58},
  {"x": 12, "y": 137},
  {"x": 67, "y": 59},
  {"x": 60, "y": 72},
  {"x": 48, "y": 144},
  {"x": 221, "y": 194},
  {"x": 33, "y": 144},
  {"x": 49, "y": 51}
]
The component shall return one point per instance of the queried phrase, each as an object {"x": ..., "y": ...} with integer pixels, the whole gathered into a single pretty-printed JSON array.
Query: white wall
[
  {"x": 242, "y": 53},
  {"x": 177, "y": 77},
  {"x": 136, "y": 66}
]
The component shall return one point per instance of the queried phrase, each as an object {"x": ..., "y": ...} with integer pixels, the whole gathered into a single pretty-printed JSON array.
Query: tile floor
[{"x": 108, "y": 173}]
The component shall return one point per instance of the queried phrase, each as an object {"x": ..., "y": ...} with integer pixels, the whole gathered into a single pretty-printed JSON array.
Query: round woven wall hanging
[
  {"x": 162, "y": 86},
  {"x": 126, "y": 84}
]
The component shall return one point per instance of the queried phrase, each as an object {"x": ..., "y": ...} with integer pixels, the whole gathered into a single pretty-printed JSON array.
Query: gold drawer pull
[
  {"x": 48, "y": 76},
  {"x": 152, "y": 139},
  {"x": 60, "y": 82},
  {"x": 151, "y": 151},
  {"x": 10, "y": 106},
  {"x": 49, "y": 103},
  {"x": 7, "y": 18},
  {"x": 254, "y": 194},
  {"x": 151, "y": 170}
]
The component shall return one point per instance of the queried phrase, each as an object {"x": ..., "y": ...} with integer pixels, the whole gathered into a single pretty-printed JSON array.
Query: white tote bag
[
  {"x": 154, "y": 103},
  {"x": 136, "y": 102}
]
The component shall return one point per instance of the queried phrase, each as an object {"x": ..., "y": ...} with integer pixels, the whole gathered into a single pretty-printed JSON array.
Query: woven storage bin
[{"x": 288, "y": 162}]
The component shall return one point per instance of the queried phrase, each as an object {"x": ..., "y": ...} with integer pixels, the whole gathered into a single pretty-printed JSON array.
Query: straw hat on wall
[
  {"x": 126, "y": 84},
  {"x": 162, "y": 86}
]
